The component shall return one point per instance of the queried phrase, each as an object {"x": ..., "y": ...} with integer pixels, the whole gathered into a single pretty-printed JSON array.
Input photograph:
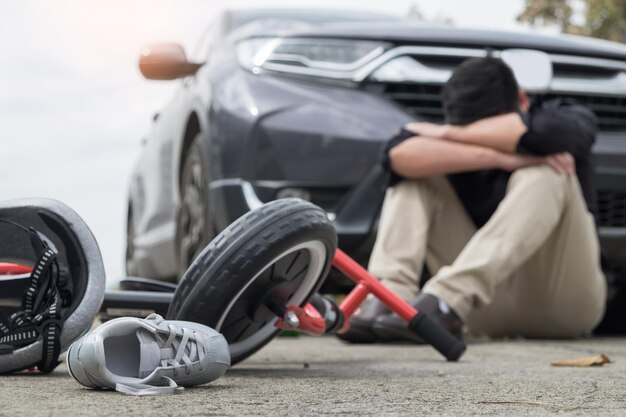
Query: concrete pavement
[{"x": 319, "y": 376}]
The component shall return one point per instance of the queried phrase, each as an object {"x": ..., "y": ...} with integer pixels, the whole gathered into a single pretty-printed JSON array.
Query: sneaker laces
[
  {"x": 180, "y": 348},
  {"x": 176, "y": 347}
]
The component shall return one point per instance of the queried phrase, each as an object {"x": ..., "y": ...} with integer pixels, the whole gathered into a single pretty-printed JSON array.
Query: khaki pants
[{"x": 533, "y": 270}]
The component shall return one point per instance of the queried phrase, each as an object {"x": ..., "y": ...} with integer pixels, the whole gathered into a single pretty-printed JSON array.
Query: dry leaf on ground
[{"x": 597, "y": 360}]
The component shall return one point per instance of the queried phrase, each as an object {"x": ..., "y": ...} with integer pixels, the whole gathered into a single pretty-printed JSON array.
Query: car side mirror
[
  {"x": 532, "y": 69},
  {"x": 166, "y": 62}
]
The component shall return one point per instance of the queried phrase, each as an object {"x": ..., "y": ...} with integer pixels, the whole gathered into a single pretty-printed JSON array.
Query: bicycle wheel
[{"x": 276, "y": 255}]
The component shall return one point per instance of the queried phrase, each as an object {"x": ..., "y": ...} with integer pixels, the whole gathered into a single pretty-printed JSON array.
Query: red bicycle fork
[{"x": 309, "y": 320}]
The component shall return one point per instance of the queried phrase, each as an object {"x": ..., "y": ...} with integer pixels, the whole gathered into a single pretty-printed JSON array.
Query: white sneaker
[{"x": 148, "y": 356}]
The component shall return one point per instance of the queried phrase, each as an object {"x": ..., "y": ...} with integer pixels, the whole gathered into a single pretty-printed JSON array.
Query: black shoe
[
  {"x": 360, "y": 330},
  {"x": 392, "y": 328}
]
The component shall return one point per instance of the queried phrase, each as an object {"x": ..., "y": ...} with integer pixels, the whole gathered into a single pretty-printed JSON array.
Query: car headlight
[{"x": 332, "y": 58}]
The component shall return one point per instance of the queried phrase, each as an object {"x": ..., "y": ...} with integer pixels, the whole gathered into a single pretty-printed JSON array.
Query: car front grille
[
  {"x": 612, "y": 208},
  {"x": 424, "y": 101},
  {"x": 418, "y": 99}
]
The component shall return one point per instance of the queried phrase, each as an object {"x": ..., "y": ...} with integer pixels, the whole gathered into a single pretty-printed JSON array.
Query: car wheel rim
[
  {"x": 130, "y": 245},
  {"x": 193, "y": 217}
]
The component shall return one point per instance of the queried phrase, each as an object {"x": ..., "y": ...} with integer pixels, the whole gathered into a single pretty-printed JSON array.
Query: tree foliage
[{"x": 604, "y": 19}]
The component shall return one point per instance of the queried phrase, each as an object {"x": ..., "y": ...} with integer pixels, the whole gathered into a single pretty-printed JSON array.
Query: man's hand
[
  {"x": 510, "y": 162},
  {"x": 561, "y": 163}
]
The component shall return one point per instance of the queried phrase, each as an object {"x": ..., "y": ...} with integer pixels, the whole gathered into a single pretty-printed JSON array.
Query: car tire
[
  {"x": 194, "y": 229},
  {"x": 276, "y": 255}
]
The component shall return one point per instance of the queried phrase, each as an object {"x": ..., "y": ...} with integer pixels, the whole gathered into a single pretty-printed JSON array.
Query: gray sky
[{"x": 73, "y": 106}]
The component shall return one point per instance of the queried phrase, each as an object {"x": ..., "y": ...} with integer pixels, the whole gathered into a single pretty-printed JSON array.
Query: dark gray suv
[{"x": 280, "y": 103}]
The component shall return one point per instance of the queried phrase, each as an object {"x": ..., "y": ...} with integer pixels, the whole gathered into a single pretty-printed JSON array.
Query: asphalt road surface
[{"x": 321, "y": 376}]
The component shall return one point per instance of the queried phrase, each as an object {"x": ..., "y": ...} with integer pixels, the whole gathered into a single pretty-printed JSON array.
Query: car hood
[{"x": 439, "y": 35}]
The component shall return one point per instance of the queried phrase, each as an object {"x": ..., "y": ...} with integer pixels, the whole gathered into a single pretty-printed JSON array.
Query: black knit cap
[{"x": 479, "y": 88}]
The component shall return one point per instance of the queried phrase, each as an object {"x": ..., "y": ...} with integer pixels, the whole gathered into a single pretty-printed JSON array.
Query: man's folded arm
[
  {"x": 420, "y": 157},
  {"x": 556, "y": 127}
]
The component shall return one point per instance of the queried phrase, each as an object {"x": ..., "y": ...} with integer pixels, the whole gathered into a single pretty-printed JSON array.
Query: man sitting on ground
[{"x": 498, "y": 204}]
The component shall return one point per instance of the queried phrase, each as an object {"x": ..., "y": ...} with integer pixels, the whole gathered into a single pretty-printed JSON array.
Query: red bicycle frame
[{"x": 310, "y": 321}]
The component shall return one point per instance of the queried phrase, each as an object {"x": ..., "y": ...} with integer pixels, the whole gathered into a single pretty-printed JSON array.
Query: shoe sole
[
  {"x": 67, "y": 362},
  {"x": 358, "y": 336},
  {"x": 390, "y": 335}
]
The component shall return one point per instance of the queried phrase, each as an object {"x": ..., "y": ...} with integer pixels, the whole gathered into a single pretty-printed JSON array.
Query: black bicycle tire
[{"x": 241, "y": 251}]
